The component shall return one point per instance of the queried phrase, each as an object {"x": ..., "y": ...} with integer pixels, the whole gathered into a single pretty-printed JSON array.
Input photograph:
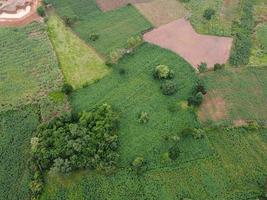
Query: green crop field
[
  {"x": 243, "y": 90},
  {"x": 233, "y": 172},
  {"x": 16, "y": 129},
  {"x": 29, "y": 67},
  {"x": 80, "y": 64},
  {"x": 113, "y": 28}
]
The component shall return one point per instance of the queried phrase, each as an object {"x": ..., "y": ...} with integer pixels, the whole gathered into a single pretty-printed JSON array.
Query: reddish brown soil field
[
  {"x": 180, "y": 37},
  {"x": 30, "y": 17},
  {"x": 106, "y": 5}
]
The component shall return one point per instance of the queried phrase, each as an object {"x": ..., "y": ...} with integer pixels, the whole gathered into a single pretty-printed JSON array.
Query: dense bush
[
  {"x": 67, "y": 88},
  {"x": 93, "y": 36},
  {"x": 196, "y": 99},
  {"x": 134, "y": 42},
  {"x": 88, "y": 141},
  {"x": 218, "y": 66},
  {"x": 202, "y": 67},
  {"x": 163, "y": 72},
  {"x": 168, "y": 87},
  {"x": 242, "y": 32},
  {"x": 208, "y": 13},
  {"x": 41, "y": 11},
  {"x": 70, "y": 21},
  {"x": 200, "y": 87}
]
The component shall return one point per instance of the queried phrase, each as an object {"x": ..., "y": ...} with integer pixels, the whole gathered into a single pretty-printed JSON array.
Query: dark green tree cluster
[
  {"x": 208, "y": 13},
  {"x": 89, "y": 141},
  {"x": 197, "y": 94}
]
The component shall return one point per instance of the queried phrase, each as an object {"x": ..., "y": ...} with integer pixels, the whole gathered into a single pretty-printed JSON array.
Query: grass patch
[
  {"x": 16, "y": 129},
  {"x": 243, "y": 90},
  {"x": 80, "y": 64},
  {"x": 113, "y": 28},
  {"x": 29, "y": 68}
]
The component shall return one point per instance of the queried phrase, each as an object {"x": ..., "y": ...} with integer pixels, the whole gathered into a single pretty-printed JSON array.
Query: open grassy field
[
  {"x": 243, "y": 92},
  {"x": 29, "y": 68},
  {"x": 80, "y": 64},
  {"x": 221, "y": 22},
  {"x": 233, "y": 172},
  {"x": 16, "y": 129},
  {"x": 137, "y": 91},
  {"x": 113, "y": 28}
]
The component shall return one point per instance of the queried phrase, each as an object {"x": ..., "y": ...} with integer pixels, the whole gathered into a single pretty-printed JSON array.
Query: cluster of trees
[
  {"x": 86, "y": 141},
  {"x": 164, "y": 73},
  {"x": 242, "y": 31},
  {"x": 197, "y": 94}
]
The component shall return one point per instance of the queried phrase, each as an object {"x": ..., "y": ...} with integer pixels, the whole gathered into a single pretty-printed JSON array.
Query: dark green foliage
[
  {"x": 174, "y": 152},
  {"x": 242, "y": 31},
  {"x": 202, "y": 67},
  {"x": 195, "y": 100},
  {"x": 41, "y": 11},
  {"x": 208, "y": 13},
  {"x": 70, "y": 20},
  {"x": 46, "y": 2},
  {"x": 138, "y": 165},
  {"x": 65, "y": 145},
  {"x": 16, "y": 129},
  {"x": 168, "y": 87},
  {"x": 200, "y": 87},
  {"x": 163, "y": 72},
  {"x": 67, "y": 88},
  {"x": 218, "y": 66},
  {"x": 93, "y": 36}
]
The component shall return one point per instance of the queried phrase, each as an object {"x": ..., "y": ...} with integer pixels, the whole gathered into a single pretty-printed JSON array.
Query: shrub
[
  {"x": 143, "y": 117},
  {"x": 208, "y": 13},
  {"x": 138, "y": 164},
  {"x": 200, "y": 87},
  {"x": 134, "y": 42},
  {"x": 202, "y": 67},
  {"x": 218, "y": 66},
  {"x": 67, "y": 88},
  {"x": 122, "y": 71},
  {"x": 70, "y": 21},
  {"x": 41, "y": 11},
  {"x": 93, "y": 36},
  {"x": 115, "y": 55},
  {"x": 163, "y": 72},
  {"x": 174, "y": 152},
  {"x": 168, "y": 87},
  {"x": 196, "y": 100}
]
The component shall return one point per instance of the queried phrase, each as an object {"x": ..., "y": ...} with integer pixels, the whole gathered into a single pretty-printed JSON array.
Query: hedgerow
[{"x": 242, "y": 31}]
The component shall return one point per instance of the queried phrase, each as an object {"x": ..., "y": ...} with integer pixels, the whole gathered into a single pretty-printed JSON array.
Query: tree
[
  {"x": 41, "y": 11},
  {"x": 218, "y": 66},
  {"x": 196, "y": 100},
  {"x": 202, "y": 67},
  {"x": 163, "y": 72},
  {"x": 168, "y": 87},
  {"x": 208, "y": 13},
  {"x": 67, "y": 88},
  {"x": 138, "y": 164}
]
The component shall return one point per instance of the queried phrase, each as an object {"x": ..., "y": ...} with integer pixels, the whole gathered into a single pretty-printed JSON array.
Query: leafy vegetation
[
  {"x": 242, "y": 31},
  {"x": 114, "y": 28},
  {"x": 16, "y": 128},
  {"x": 29, "y": 68},
  {"x": 65, "y": 145},
  {"x": 80, "y": 64}
]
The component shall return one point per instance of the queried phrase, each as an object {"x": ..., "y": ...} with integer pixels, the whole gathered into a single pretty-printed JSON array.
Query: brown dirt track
[
  {"x": 30, "y": 17},
  {"x": 180, "y": 37},
  {"x": 107, "y": 5}
]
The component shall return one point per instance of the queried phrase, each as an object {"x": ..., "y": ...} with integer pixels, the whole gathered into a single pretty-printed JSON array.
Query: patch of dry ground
[
  {"x": 107, "y": 5},
  {"x": 180, "y": 37},
  {"x": 160, "y": 12},
  {"x": 212, "y": 108}
]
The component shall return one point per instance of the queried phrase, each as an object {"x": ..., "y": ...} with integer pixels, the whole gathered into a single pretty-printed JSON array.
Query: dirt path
[
  {"x": 28, "y": 18},
  {"x": 180, "y": 37}
]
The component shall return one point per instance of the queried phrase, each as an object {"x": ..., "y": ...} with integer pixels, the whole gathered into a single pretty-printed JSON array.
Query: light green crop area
[{"x": 80, "y": 63}]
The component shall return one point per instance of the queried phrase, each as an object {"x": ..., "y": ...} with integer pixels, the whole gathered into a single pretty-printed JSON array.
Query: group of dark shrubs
[
  {"x": 165, "y": 74},
  {"x": 88, "y": 140},
  {"x": 197, "y": 94},
  {"x": 203, "y": 67}
]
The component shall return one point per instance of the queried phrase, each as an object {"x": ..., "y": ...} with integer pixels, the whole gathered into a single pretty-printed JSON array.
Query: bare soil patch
[
  {"x": 107, "y": 5},
  {"x": 180, "y": 37},
  {"x": 160, "y": 12},
  {"x": 26, "y": 19},
  {"x": 213, "y": 108}
]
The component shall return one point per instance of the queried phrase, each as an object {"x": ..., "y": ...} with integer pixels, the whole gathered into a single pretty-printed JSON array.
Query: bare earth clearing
[
  {"x": 160, "y": 12},
  {"x": 106, "y": 5},
  {"x": 180, "y": 37},
  {"x": 22, "y": 15}
]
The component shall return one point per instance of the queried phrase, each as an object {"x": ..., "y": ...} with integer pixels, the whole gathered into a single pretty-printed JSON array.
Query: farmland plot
[{"x": 29, "y": 68}]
